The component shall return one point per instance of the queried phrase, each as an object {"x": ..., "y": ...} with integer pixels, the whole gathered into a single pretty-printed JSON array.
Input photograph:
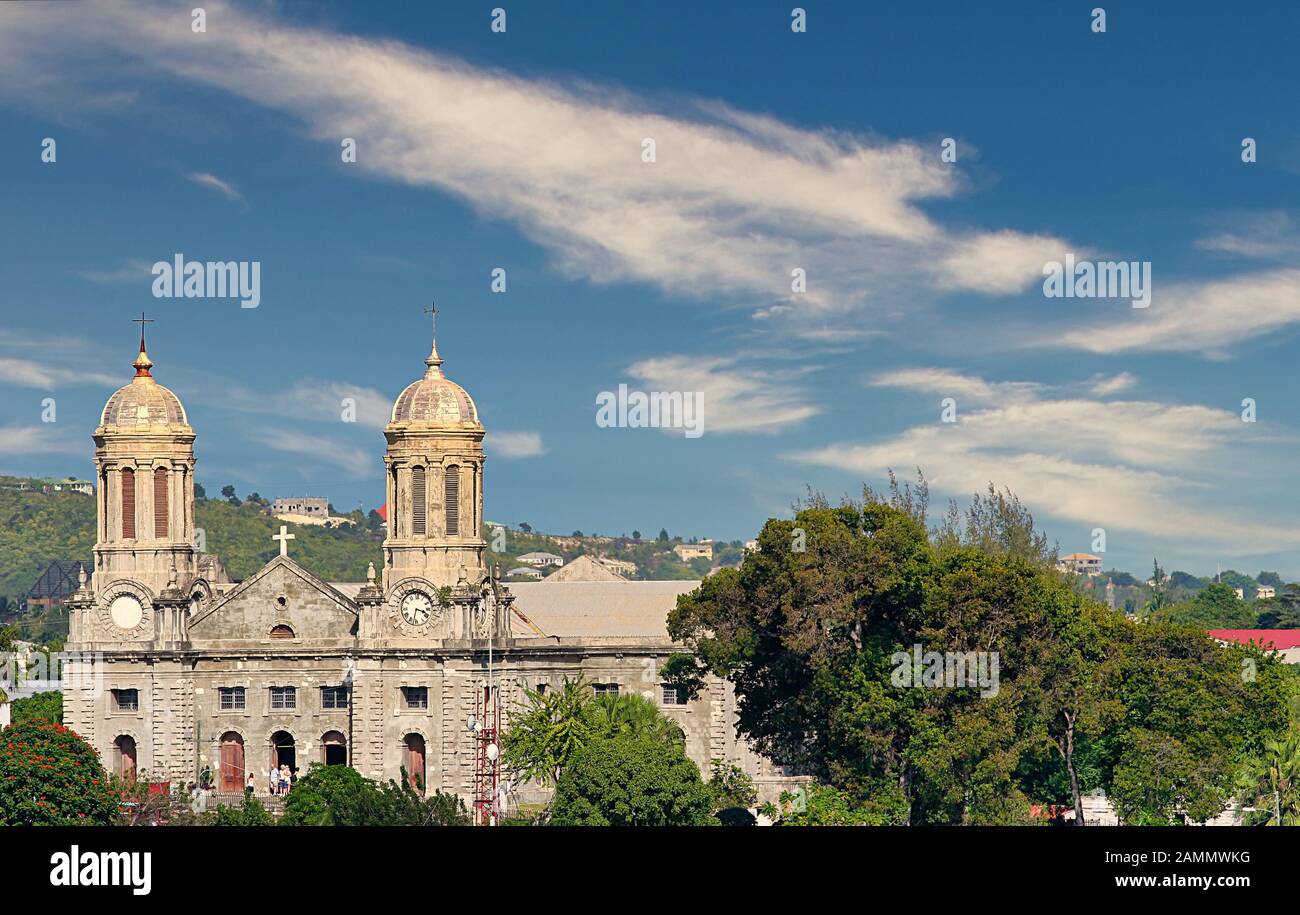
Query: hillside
[{"x": 37, "y": 527}]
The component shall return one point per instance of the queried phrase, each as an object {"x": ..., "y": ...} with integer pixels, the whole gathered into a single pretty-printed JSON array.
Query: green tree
[
  {"x": 334, "y": 796},
  {"x": 730, "y": 786},
  {"x": 631, "y": 780},
  {"x": 823, "y": 805},
  {"x": 50, "y": 776},
  {"x": 544, "y": 737},
  {"x": 228, "y": 493},
  {"x": 249, "y": 813},
  {"x": 1269, "y": 786},
  {"x": 404, "y": 806},
  {"x": 46, "y": 706},
  {"x": 1214, "y": 607}
]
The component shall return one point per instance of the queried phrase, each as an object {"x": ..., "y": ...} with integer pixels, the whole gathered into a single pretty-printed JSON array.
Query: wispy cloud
[
  {"x": 736, "y": 398},
  {"x": 38, "y": 440},
  {"x": 133, "y": 271},
  {"x": 1270, "y": 235},
  {"x": 47, "y": 375},
  {"x": 1206, "y": 317},
  {"x": 209, "y": 180},
  {"x": 1126, "y": 466},
  {"x": 319, "y": 448},
  {"x": 733, "y": 203},
  {"x": 514, "y": 444},
  {"x": 311, "y": 399}
]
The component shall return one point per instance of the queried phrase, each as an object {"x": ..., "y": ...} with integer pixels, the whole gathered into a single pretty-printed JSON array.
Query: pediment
[{"x": 282, "y": 593}]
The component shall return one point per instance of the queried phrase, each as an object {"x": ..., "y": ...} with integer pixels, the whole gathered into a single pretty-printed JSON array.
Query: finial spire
[
  {"x": 434, "y": 360},
  {"x": 142, "y": 363}
]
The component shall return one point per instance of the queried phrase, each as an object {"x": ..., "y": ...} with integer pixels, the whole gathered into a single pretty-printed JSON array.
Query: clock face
[
  {"x": 125, "y": 612},
  {"x": 417, "y": 608}
]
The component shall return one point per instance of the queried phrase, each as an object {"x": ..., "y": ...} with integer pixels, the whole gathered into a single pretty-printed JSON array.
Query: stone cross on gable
[{"x": 284, "y": 537}]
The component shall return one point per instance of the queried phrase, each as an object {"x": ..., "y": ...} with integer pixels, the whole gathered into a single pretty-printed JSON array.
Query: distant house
[
  {"x": 70, "y": 485},
  {"x": 1284, "y": 641},
  {"x": 1240, "y": 592},
  {"x": 751, "y": 546},
  {"x": 57, "y": 583},
  {"x": 621, "y": 566},
  {"x": 688, "y": 551},
  {"x": 525, "y": 573},
  {"x": 311, "y": 506},
  {"x": 541, "y": 560},
  {"x": 1080, "y": 564},
  {"x": 1264, "y": 591}
]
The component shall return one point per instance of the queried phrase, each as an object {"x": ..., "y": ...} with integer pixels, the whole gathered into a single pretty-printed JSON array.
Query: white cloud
[
  {"x": 37, "y": 440},
  {"x": 311, "y": 399},
  {"x": 998, "y": 262},
  {"x": 736, "y": 398},
  {"x": 1262, "y": 236},
  {"x": 319, "y": 449},
  {"x": 1129, "y": 466},
  {"x": 133, "y": 271},
  {"x": 47, "y": 375},
  {"x": 514, "y": 444},
  {"x": 208, "y": 180},
  {"x": 1105, "y": 385},
  {"x": 1204, "y": 316},
  {"x": 733, "y": 203}
]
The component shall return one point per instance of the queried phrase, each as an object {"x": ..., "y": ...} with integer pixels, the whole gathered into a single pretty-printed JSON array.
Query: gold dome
[
  {"x": 144, "y": 404},
  {"x": 435, "y": 399}
]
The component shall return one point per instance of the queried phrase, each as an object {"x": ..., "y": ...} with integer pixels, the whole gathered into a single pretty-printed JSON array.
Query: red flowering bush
[{"x": 51, "y": 777}]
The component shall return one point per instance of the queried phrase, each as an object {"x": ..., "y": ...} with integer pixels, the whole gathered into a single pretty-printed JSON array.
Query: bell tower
[
  {"x": 434, "y": 469},
  {"x": 144, "y": 469}
]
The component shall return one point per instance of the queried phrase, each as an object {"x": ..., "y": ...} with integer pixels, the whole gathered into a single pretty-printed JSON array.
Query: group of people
[{"x": 278, "y": 780}]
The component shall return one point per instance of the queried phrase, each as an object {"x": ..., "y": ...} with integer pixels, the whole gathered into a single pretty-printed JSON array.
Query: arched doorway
[
  {"x": 415, "y": 769},
  {"x": 231, "y": 777},
  {"x": 124, "y": 757},
  {"x": 284, "y": 751},
  {"x": 334, "y": 749}
]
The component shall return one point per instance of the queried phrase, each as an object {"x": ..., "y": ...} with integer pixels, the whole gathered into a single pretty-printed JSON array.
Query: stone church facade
[{"x": 176, "y": 671}]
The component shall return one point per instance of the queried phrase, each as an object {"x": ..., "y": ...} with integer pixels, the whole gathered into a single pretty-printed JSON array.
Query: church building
[{"x": 176, "y": 671}]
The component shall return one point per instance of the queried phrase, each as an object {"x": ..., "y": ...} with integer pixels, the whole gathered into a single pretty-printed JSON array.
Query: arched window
[
  {"x": 128, "y": 504},
  {"x": 281, "y": 632},
  {"x": 124, "y": 751},
  {"x": 418, "y": 501},
  {"x": 452, "y": 501},
  {"x": 334, "y": 749},
  {"x": 160, "y": 503}
]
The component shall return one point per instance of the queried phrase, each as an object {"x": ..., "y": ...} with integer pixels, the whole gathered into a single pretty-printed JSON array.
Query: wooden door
[
  {"x": 232, "y": 764},
  {"x": 415, "y": 761}
]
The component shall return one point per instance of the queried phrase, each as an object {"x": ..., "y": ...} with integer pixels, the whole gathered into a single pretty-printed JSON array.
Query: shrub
[{"x": 50, "y": 776}]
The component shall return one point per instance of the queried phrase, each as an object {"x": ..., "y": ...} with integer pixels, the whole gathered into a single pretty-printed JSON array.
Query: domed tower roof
[
  {"x": 143, "y": 405},
  {"x": 435, "y": 400}
]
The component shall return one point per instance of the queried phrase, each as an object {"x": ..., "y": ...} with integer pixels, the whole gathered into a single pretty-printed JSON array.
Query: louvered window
[
  {"x": 453, "y": 501},
  {"x": 160, "y": 503},
  {"x": 128, "y": 504},
  {"x": 418, "y": 501}
]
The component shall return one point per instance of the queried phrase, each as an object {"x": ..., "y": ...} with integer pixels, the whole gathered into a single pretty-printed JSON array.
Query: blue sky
[{"x": 774, "y": 150}]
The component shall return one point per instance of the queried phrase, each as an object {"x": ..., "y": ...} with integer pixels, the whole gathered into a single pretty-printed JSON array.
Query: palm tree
[
  {"x": 630, "y": 713},
  {"x": 1271, "y": 784}
]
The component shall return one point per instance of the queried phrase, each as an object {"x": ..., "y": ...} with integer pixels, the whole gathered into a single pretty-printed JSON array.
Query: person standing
[
  {"x": 286, "y": 778},
  {"x": 252, "y": 785},
  {"x": 273, "y": 780}
]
